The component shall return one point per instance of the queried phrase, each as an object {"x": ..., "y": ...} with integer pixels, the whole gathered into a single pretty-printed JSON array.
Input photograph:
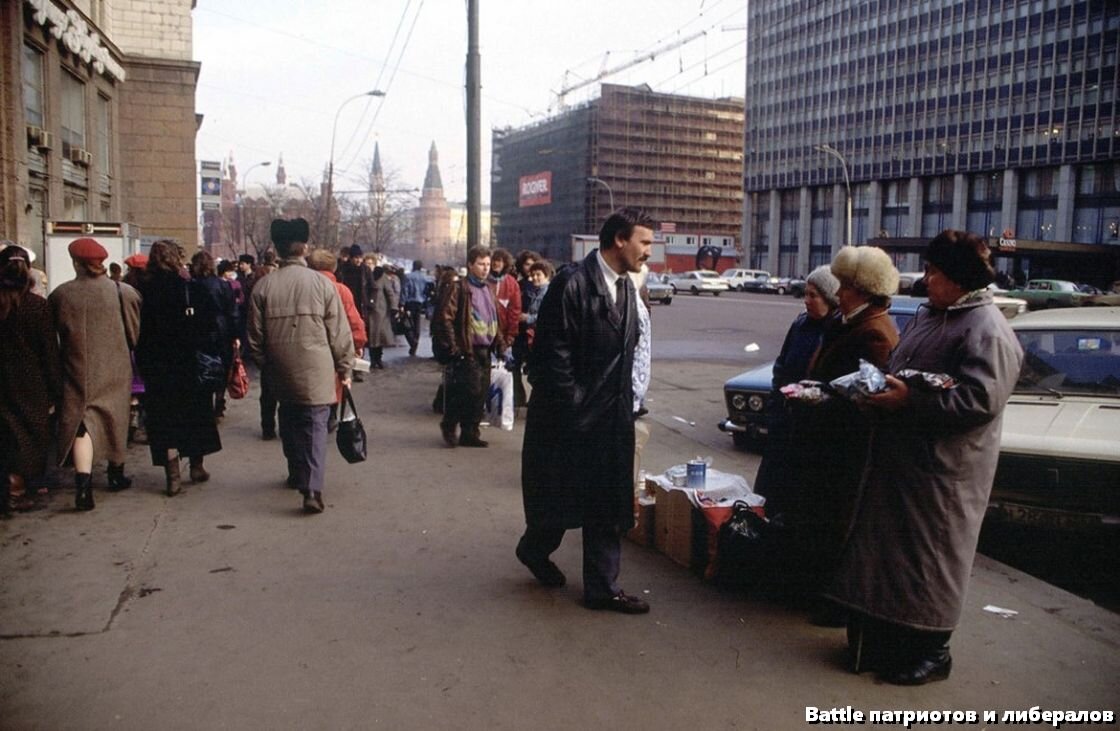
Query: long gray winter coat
[
  {"x": 383, "y": 301},
  {"x": 96, "y": 367},
  {"x": 929, "y": 471}
]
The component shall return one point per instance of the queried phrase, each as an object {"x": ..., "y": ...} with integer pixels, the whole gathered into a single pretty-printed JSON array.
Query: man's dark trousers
[
  {"x": 465, "y": 392},
  {"x": 602, "y": 554},
  {"x": 268, "y": 407},
  {"x": 413, "y": 311},
  {"x": 303, "y": 431}
]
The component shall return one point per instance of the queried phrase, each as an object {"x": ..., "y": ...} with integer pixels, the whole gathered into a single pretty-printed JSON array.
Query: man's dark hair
[
  {"x": 622, "y": 223},
  {"x": 417, "y": 265},
  {"x": 477, "y": 252},
  {"x": 543, "y": 265}
]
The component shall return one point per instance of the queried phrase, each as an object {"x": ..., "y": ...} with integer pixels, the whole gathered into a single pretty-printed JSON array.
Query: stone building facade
[{"x": 97, "y": 119}]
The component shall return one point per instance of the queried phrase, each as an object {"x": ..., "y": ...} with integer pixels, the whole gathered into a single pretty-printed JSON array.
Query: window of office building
[
  {"x": 820, "y": 242},
  {"x": 1038, "y": 204},
  {"x": 896, "y": 208},
  {"x": 32, "y": 69},
  {"x": 937, "y": 207},
  {"x": 103, "y": 133},
  {"x": 787, "y": 234},
  {"x": 73, "y": 113},
  {"x": 1096, "y": 210},
  {"x": 985, "y": 201},
  {"x": 861, "y": 198}
]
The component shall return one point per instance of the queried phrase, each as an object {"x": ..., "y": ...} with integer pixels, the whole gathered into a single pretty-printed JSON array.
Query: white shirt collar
[
  {"x": 610, "y": 275},
  {"x": 848, "y": 317}
]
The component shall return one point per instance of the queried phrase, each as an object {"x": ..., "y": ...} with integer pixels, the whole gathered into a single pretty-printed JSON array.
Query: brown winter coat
[
  {"x": 96, "y": 368},
  {"x": 299, "y": 335},
  {"x": 451, "y": 321},
  {"x": 870, "y": 335},
  {"x": 29, "y": 386},
  {"x": 929, "y": 472}
]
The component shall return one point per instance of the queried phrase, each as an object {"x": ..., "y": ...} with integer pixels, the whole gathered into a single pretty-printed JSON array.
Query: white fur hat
[{"x": 867, "y": 268}]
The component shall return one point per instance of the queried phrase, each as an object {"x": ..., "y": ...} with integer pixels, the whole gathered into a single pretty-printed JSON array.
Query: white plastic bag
[{"x": 499, "y": 400}]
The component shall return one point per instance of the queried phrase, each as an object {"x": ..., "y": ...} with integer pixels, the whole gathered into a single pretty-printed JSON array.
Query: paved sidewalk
[{"x": 403, "y": 607}]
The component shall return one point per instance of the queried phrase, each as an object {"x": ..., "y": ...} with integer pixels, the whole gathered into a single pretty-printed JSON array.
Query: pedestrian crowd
[{"x": 882, "y": 496}]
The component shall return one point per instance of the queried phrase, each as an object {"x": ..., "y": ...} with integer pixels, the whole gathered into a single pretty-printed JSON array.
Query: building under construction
[{"x": 678, "y": 158}]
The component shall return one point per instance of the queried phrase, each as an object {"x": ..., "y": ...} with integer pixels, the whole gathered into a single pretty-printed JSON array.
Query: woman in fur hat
[
  {"x": 830, "y": 439},
  {"x": 905, "y": 568}
]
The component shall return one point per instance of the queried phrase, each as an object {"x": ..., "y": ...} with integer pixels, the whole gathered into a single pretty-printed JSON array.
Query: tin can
[{"x": 697, "y": 474}]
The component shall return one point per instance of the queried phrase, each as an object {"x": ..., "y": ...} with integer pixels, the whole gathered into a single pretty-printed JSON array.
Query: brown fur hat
[{"x": 867, "y": 268}]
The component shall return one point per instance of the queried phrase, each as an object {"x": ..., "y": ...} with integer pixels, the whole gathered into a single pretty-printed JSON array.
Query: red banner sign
[{"x": 535, "y": 189}]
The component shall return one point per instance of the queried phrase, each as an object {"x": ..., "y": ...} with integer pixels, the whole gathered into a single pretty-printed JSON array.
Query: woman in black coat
[
  {"x": 30, "y": 380},
  {"x": 180, "y": 319}
]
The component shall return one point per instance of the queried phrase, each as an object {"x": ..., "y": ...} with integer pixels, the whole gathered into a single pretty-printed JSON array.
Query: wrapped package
[
  {"x": 925, "y": 380},
  {"x": 811, "y": 392},
  {"x": 864, "y": 382}
]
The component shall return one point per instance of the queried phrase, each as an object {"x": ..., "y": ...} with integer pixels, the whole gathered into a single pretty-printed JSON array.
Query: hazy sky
[{"x": 274, "y": 73}]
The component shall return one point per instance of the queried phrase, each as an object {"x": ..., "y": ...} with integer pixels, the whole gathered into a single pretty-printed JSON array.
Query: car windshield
[
  {"x": 1070, "y": 362},
  {"x": 709, "y": 275}
]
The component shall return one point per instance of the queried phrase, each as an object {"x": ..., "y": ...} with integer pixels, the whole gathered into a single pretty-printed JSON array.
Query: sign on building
[
  {"x": 536, "y": 189},
  {"x": 210, "y": 185}
]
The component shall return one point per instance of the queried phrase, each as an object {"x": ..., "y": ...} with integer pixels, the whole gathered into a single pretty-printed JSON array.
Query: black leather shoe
[
  {"x": 83, "y": 491},
  {"x": 620, "y": 602},
  {"x": 313, "y": 503},
  {"x": 473, "y": 442},
  {"x": 268, "y": 434},
  {"x": 117, "y": 480},
  {"x": 448, "y": 433},
  {"x": 926, "y": 670},
  {"x": 546, "y": 572}
]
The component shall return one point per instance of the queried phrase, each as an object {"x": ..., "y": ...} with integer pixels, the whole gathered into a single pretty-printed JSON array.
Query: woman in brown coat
[
  {"x": 29, "y": 377},
  {"x": 97, "y": 321},
  {"x": 832, "y": 437}
]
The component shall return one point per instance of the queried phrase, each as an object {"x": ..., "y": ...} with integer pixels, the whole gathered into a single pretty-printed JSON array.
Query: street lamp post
[
  {"x": 600, "y": 181},
  {"x": 830, "y": 150},
  {"x": 334, "y": 133},
  {"x": 241, "y": 201}
]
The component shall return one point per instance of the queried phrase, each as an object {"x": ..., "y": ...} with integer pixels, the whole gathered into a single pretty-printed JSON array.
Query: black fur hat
[
  {"x": 964, "y": 258},
  {"x": 285, "y": 233}
]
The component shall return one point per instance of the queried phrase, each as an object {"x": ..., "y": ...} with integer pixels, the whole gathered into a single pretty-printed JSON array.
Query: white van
[{"x": 744, "y": 280}]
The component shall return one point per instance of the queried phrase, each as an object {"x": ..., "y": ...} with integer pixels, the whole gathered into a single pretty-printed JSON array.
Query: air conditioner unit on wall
[
  {"x": 46, "y": 141},
  {"x": 78, "y": 156},
  {"x": 35, "y": 135}
]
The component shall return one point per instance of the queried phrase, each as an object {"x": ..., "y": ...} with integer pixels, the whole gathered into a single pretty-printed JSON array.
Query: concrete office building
[
  {"x": 679, "y": 158},
  {"x": 995, "y": 116}
]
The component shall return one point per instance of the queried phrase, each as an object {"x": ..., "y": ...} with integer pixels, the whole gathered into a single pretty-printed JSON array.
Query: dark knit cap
[
  {"x": 963, "y": 257},
  {"x": 355, "y": 251},
  {"x": 247, "y": 258}
]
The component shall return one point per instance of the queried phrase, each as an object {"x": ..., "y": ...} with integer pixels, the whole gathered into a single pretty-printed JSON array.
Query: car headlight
[
  {"x": 756, "y": 402},
  {"x": 739, "y": 402}
]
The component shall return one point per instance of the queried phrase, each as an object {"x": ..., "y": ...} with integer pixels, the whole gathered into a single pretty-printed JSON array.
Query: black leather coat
[{"x": 578, "y": 457}]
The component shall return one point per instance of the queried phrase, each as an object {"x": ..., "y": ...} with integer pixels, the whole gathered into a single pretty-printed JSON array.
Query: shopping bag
[
  {"x": 499, "y": 400},
  {"x": 238, "y": 386},
  {"x": 351, "y": 435}
]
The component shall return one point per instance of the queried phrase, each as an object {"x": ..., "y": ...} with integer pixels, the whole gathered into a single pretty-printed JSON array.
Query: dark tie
[{"x": 620, "y": 295}]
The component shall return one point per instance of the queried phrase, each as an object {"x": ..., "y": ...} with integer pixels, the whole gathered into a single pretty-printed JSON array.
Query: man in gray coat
[{"x": 298, "y": 334}]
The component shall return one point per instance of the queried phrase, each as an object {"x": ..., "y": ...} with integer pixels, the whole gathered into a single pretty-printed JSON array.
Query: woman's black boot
[
  {"x": 923, "y": 658},
  {"x": 83, "y": 486},
  {"x": 117, "y": 480}
]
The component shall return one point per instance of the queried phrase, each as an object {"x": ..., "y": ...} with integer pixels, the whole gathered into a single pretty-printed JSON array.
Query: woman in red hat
[{"x": 98, "y": 321}]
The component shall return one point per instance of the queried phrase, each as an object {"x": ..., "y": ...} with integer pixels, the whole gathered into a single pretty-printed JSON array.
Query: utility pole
[{"x": 474, "y": 125}]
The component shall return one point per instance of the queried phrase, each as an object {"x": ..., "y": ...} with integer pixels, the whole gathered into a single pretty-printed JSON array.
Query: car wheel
[
  {"x": 695, "y": 291},
  {"x": 740, "y": 288},
  {"x": 717, "y": 294},
  {"x": 667, "y": 301},
  {"x": 781, "y": 290}
]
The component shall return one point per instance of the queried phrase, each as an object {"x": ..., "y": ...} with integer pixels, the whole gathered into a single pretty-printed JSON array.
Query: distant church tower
[
  {"x": 433, "y": 219},
  {"x": 281, "y": 174},
  {"x": 377, "y": 197}
]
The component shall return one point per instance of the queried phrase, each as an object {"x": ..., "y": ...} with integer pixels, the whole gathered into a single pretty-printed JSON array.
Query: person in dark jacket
[
  {"x": 181, "y": 319},
  {"x": 467, "y": 332},
  {"x": 30, "y": 379},
  {"x": 777, "y": 474},
  {"x": 359, "y": 278},
  {"x": 905, "y": 567},
  {"x": 578, "y": 455}
]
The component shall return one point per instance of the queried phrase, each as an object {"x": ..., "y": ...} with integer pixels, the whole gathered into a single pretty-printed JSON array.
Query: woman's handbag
[
  {"x": 351, "y": 435},
  {"x": 238, "y": 386},
  {"x": 398, "y": 319}
]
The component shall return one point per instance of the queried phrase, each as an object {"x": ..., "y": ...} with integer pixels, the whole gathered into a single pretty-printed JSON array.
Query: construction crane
[{"x": 647, "y": 56}]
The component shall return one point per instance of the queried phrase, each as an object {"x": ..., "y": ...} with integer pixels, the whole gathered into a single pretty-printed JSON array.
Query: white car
[
  {"x": 1059, "y": 459},
  {"x": 700, "y": 280},
  {"x": 742, "y": 280}
]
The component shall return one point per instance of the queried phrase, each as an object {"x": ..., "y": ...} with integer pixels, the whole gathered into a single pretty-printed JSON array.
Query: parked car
[
  {"x": 789, "y": 285},
  {"x": 697, "y": 281},
  {"x": 659, "y": 290},
  {"x": 747, "y": 396},
  {"x": 1045, "y": 293},
  {"x": 1059, "y": 464},
  {"x": 737, "y": 279},
  {"x": 1009, "y": 306}
]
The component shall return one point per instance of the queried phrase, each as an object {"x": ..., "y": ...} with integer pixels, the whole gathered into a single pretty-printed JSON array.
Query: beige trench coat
[{"x": 92, "y": 317}]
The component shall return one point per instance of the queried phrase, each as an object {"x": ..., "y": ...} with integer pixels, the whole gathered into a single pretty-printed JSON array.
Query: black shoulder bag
[{"x": 351, "y": 435}]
